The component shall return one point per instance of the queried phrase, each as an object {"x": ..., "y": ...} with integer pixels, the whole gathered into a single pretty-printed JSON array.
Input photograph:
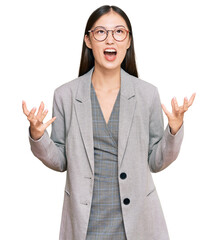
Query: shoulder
[
  {"x": 141, "y": 87},
  {"x": 71, "y": 88},
  {"x": 68, "y": 87}
]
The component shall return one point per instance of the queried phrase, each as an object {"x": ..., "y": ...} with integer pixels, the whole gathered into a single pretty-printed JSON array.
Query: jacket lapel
[
  {"x": 84, "y": 115},
  {"x": 127, "y": 109},
  {"x": 83, "y": 109}
]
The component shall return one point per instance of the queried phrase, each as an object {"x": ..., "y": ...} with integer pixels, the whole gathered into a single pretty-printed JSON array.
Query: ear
[
  {"x": 129, "y": 43},
  {"x": 87, "y": 41}
]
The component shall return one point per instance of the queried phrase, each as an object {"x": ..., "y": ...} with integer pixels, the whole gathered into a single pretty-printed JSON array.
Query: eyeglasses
[{"x": 101, "y": 33}]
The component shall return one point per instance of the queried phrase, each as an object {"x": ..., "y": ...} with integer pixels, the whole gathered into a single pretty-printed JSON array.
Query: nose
[{"x": 109, "y": 39}]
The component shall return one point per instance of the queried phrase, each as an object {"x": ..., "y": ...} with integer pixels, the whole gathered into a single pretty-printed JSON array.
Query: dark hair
[{"x": 87, "y": 58}]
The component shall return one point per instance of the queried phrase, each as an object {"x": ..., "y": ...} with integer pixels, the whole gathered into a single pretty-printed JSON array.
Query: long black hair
[{"x": 87, "y": 58}]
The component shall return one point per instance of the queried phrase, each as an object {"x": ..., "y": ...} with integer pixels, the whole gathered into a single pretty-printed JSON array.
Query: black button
[
  {"x": 126, "y": 201},
  {"x": 123, "y": 175}
]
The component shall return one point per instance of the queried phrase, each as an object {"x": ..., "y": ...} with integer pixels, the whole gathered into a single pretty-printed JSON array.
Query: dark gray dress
[{"x": 106, "y": 220}]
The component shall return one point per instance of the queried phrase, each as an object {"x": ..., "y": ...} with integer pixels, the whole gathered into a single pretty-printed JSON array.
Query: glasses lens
[
  {"x": 100, "y": 34},
  {"x": 120, "y": 34}
]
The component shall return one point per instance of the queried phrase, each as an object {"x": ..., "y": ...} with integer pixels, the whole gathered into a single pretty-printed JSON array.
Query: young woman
[{"x": 107, "y": 132}]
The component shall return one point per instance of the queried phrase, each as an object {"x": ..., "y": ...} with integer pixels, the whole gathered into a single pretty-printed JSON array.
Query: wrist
[
  {"x": 34, "y": 135},
  {"x": 175, "y": 129}
]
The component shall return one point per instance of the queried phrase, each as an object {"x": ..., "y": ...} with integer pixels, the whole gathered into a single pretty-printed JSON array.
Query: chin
[{"x": 111, "y": 65}]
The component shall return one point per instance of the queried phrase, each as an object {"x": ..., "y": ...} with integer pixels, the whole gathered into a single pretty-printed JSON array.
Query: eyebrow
[
  {"x": 120, "y": 26},
  {"x": 114, "y": 27}
]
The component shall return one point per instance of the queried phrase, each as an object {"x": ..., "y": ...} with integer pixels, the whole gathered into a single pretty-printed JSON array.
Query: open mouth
[{"x": 110, "y": 52}]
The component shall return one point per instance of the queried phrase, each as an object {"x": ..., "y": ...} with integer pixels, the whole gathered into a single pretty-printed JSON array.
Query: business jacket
[{"x": 143, "y": 147}]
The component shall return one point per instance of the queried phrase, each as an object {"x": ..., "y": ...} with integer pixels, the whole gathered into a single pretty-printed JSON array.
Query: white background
[{"x": 176, "y": 45}]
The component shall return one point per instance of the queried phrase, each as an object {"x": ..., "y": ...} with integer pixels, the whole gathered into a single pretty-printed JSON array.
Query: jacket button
[
  {"x": 123, "y": 175},
  {"x": 126, "y": 201}
]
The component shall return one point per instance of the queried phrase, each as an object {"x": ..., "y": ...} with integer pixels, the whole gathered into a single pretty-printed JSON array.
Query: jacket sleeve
[
  {"x": 51, "y": 150},
  {"x": 163, "y": 146}
]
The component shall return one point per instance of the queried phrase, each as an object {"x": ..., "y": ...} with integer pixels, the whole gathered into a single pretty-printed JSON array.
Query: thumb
[
  {"x": 50, "y": 122},
  {"x": 165, "y": 110}
]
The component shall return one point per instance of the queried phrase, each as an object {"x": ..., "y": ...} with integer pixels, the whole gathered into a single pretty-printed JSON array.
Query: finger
[
  {"x": 41, "y": 108},
  {"x": 165, "y": 110},
  {"x": 50, "y": 122},
  {"x": 31, "y": 114},
  {"x": 191, "y": 100},
  {"x": 185, "y": 104},
  {"x": 175, "y": 105},
  {"x": 25, "y": 110},
  {"x": 43, "y": 115}
]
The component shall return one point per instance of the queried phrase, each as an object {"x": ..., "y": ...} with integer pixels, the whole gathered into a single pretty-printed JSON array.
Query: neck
[{"x": 106, "y": 79}]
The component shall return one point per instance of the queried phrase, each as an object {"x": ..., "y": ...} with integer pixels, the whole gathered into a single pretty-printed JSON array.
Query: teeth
[{"x": 110, "y": 50}]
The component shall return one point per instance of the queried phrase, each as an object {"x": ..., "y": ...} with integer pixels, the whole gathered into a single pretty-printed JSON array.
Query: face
[{"x": 108, "y": 54}]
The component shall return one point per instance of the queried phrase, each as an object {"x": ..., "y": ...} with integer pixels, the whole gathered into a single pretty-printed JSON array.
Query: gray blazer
[{"x": 143, "y": 147}]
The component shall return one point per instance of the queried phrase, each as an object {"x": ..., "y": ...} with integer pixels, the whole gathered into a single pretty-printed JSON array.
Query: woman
[{"x": 107, "y": 132}]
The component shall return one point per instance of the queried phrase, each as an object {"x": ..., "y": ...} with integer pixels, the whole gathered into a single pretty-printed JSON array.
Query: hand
[
  {"x": 37, "y": 127},
  {"x": 175, "y": 119}
]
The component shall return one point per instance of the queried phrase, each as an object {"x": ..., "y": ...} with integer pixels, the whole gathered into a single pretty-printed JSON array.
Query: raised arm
[
  {"x": 37, "y": 127},
  {"x": 164, "y": 146},
  {"x": 51, "y": 151},
  {"x": 175, "y": 118}
]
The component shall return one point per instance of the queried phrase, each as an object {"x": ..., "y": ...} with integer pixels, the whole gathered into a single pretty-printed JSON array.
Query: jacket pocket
[
  {"x": 150, "y": 192},
  {"x": 67, "y": 192}
]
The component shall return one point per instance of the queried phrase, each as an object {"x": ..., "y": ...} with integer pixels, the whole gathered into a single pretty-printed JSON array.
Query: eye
[
  {"x": 120, "y": 31},
  {"x": 99, "y": 31}
]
